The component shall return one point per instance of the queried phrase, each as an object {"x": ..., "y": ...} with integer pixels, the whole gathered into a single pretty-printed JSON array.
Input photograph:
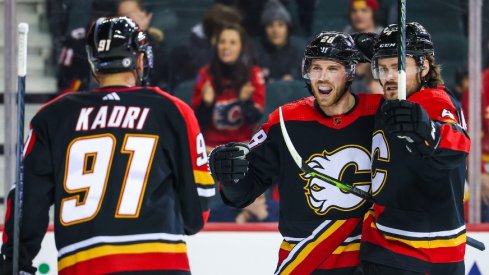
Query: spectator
[
  {"x": 485, "y": 139},
  {"x": 461, "y": 83},
  {"x": 278, "y": 55},
  {"x": 187, "y": 58},
  {"x": 68, "y": 22},
  {"x": 229, "y": 95},
  {"x": 136, "y": 10},
  {"x": 364, "y": 17},
  {"x": 261, "y": 210}
]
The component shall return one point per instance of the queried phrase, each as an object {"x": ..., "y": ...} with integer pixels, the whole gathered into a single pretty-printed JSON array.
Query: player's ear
[{"x": 426, "y": 68}]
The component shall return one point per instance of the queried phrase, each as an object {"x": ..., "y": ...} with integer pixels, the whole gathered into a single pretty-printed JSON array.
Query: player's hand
[
  {"x": 228, "y": 162},
  {"x": 409, "y": 121}
]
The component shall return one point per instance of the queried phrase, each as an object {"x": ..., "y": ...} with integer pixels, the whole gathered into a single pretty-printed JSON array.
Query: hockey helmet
[
  {"x": 114, "y": 44},
  {"x": 418, "y": 44},
  {"x": 331, "y": 45}
]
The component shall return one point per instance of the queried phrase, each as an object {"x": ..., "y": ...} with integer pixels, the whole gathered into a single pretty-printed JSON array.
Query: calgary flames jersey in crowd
[
  {"x": 319, "y": 223},
  {"x": 126, "y": 170},
  {"x": 417, "y": 223}
]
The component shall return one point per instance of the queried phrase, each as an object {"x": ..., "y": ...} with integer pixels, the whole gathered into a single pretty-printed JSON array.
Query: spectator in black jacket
[{"x": 278, "y": 54}]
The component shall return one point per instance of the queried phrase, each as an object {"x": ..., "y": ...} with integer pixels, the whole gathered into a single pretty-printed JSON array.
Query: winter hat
[
  {"x": 274, "y": 10},
  {"x": 373, "y": 4}
]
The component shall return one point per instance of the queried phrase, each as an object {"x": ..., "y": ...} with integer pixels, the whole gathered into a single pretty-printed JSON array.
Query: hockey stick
[
  {"x": 22, "y": 31},
  {"x": 401, "y": 51},
  {"x": 343, "y": 186}
]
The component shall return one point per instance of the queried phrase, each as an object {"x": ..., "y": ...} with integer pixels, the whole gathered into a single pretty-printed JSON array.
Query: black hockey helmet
[
  {"x": 418, "y": 44},
  {"x": 336, "y": 46},
  {"x": 114, "y": 44},
  {"x": 365, "y": 42}
]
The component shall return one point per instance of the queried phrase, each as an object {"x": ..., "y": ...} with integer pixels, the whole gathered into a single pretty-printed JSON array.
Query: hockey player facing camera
[
  {"x": 125, "y": 167},
  {"x": 419, "y": 155},
  {"x": 332, "y": 129}
]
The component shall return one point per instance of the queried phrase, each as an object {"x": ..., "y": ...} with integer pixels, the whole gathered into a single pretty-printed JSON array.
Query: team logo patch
[
  {"x": 349, "y": 164},
  {"x": 228, "y": 115}
]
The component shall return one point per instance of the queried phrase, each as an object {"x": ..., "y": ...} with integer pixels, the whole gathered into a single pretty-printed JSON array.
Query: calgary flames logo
[{"x": 349, "y": 164}]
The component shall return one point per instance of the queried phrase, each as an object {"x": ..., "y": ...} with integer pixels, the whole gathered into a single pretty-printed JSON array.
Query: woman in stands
[{"x": 229, "y": 94}]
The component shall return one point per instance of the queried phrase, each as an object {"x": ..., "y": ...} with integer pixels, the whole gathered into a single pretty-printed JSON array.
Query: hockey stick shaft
[
  {"x": 343, "y": 186},
  {"x": 23, "y": 30},
  {"x": 401, "y": 51}
]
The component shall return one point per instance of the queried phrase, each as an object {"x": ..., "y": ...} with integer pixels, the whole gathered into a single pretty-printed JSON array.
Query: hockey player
[
  {"x": 125, "y": 167},
  {"x": 419, "y": 155},
  {"x": 332, "y": 130}
]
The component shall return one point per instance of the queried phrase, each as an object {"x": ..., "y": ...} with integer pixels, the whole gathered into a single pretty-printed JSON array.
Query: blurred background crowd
[{"x": 235, "y": 61}]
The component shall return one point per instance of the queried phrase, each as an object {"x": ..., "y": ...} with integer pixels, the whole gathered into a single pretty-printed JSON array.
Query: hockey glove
[
  {"x": 228, "y": 162},
  {"x": 410, "y": 122}
]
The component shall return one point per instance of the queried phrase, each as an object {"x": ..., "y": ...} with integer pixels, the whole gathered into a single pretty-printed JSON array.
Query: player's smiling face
[
  {"x": 328, "y": 80},
  {"x": 388, "y": 76}
]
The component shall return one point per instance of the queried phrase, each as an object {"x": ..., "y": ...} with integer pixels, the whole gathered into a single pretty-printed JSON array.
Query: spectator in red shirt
[{"x": 229, "y": 94}]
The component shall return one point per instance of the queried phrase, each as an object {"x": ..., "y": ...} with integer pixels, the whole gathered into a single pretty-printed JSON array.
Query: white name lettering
[{"x": 118, "y": 117}]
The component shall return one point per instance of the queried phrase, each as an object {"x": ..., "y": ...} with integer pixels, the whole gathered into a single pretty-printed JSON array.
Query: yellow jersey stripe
[
  {"x": 202, "y": 177},
  {"x": 427, "y": 244},
  {"x": 107, "y": 250},
  {"x": 347, "y": 248}
]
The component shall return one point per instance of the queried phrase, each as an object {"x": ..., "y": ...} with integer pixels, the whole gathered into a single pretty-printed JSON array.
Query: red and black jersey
[
  {"x": 229, "y": 118},
  {"x": 126, "y": 170},
  {"x": 418, "y": 223},
  {"x": 320, "y": 224}
]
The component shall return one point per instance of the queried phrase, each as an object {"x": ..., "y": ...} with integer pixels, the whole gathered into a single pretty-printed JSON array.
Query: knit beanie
[
  {"x": 274, "y": 10},
  {"x": 373, "y": 4}
]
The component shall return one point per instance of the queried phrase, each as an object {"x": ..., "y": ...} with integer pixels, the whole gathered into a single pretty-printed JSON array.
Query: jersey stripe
[
  {"x": 434, "y": 250},
  {"x": 308, "y": 254},
  {"x": 120, "y": 239},
  {"x": 108, "y": 250},
  {"x": 202, "y": 177},
  {"x": 129, "y": 262}
]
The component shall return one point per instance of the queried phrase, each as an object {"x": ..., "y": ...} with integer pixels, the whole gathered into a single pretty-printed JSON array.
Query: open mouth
[
  {"x": 325, "y": 90},
  {"x": 391, "y": 88}
]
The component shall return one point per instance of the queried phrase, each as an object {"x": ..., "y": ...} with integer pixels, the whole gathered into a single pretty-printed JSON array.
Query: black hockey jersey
[
  {"x": 319, "y": 223},
  {"x": 126, "y": 170},
  {"x": 418, "y": 223}
]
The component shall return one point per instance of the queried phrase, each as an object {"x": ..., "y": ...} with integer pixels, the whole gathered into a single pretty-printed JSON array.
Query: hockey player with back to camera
[
  {"x": 419, "y": 156},
  {"x": 332, "y": 129},
  {"x": 125, "y": 167}
]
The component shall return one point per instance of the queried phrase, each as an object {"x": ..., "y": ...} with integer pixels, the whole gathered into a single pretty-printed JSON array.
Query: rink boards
[{"x": 224, "y": 249}]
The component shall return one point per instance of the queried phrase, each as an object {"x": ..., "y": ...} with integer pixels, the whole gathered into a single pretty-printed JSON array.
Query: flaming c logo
[{"x": 339, "y": 164}]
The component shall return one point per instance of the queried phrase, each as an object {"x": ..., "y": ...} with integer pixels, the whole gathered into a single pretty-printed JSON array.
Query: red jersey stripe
[{"x": 129, "y": 262}]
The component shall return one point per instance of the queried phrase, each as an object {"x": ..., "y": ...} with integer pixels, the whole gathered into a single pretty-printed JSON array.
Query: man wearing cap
[{"x": 364, "y": 16}]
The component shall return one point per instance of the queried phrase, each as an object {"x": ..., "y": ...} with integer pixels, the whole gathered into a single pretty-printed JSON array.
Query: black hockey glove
[
  {"x": 228, "y": 162},
  {"x": 410, "y": 122},
  {"x": 365, "y": 41}
]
